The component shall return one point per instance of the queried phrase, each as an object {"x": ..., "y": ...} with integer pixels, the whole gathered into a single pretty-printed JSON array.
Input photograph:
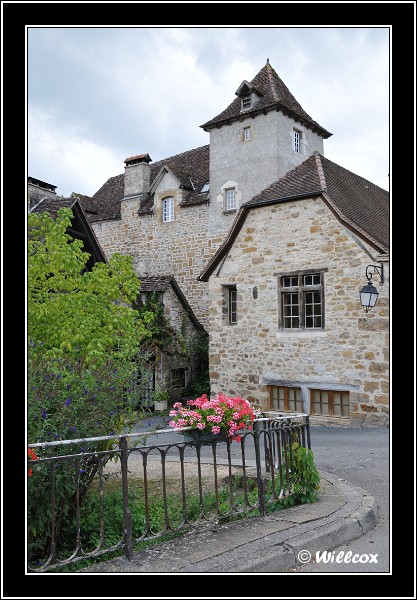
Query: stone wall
[
  {"x": 180, "y": 248},
  {"x": 351, "y": 353}
]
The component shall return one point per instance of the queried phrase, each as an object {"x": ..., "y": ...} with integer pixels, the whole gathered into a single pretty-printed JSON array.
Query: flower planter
[
  {"x": 204, "y": 436},
  {"x": 230, "y": 415},
  {"x": 161, "y": 405}
]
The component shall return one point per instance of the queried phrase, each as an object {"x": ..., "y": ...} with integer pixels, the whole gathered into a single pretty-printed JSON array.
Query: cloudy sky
[{"x": 97, "y": 95}]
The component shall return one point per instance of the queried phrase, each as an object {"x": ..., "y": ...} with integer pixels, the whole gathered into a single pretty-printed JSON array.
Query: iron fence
[{"x": 111, "y": 494}]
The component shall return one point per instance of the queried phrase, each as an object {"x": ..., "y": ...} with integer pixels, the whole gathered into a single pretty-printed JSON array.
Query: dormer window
[
  {"x": 246, "y": 101},
  {"x": 205, "y": 187}
]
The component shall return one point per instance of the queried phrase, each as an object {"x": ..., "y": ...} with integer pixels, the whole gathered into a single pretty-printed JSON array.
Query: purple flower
[
  {"x": 68, "y": 401},
  {"x": 44, "y": 414},
  {"x": 68, "y": 386}
]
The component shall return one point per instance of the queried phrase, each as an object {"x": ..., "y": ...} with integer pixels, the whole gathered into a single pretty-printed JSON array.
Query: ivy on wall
[{"x": 175, "y": 342}]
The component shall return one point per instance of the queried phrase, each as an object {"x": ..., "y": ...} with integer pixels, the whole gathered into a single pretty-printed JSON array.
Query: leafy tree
[{"x": 85, "y": 343}]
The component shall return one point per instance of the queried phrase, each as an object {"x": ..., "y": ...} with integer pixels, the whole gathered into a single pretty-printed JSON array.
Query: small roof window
[
  {"x": 205, "y": 187},
  {"x": 246, "y": 101}
]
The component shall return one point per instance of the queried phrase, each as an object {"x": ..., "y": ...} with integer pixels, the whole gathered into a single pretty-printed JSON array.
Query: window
[
  {"x": 297, "y": 140},
  {"x": 246, "y": 101},
  {"x": 301, "y": 298},
  {"x": 230, "y": 199},
  {"x": 329, "y": 403},
  {"x": 247, "y": 133},
  {"x": 168, "y": 209},
  {"x": 205, "y": 187},
  {"x": 232, "y": 305},
  {"x": 285, "y": 398},
  {"x": 178, "y": 378}
]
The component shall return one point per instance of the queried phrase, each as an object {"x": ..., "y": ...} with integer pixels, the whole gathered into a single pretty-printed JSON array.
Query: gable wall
[
  {"x": 351, "y": 354},
  {"x": 180, "y": 248}
]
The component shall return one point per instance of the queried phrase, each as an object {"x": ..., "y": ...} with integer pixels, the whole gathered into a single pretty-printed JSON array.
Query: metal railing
[{"x": 147, "y": 491}]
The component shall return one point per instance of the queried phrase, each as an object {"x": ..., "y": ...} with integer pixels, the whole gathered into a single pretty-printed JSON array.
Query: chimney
[{"x": 137, "y": 176}]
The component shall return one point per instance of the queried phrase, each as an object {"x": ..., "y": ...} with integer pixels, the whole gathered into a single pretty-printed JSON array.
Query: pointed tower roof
[{"x": 270, "y": 93}]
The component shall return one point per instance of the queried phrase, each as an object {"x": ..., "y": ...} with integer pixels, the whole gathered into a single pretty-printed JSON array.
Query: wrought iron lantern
[{"x": 368, "y": 293}]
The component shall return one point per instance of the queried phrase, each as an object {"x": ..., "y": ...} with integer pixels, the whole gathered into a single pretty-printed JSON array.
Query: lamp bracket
[{"x": 376, "y": 269}]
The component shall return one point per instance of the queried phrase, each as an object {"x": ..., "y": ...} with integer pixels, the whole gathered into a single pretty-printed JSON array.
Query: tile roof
[
  {"x": 80, "y": 227},
  {"x": 361, "y": 205},
  {"x": 274, "y": 96},
  {"x": 87, "y": 202},
  {"x": 160, "y": 283},
  {"x": 191, "y": 168},
  {"x": 156, "y": 283},
  {"x": 52, "y": 205}
]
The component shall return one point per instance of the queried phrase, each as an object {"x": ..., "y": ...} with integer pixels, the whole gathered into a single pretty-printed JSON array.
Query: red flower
[{"x": 32, "y": 456}]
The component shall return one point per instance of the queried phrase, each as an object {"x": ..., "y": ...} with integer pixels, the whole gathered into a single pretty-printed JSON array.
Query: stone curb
[
  {"x": 326, "y": 533},
  {"x": 263, "y": 545}
]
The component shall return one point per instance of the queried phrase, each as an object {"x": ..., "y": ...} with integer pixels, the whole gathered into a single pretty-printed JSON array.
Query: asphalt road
[{"x": 361, "y": 457}]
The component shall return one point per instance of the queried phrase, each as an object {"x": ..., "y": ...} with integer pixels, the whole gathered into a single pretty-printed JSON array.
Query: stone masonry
[{"x": 350, "y": 354}]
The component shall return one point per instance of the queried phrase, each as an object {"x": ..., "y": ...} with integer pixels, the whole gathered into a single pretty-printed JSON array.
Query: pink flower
[{"x": 221, "y": 413}]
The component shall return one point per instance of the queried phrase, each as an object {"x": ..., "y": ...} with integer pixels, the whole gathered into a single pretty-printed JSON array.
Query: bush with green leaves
[
  {"x": 85, "y": 345},
  {"x": 303, "y": 476}
]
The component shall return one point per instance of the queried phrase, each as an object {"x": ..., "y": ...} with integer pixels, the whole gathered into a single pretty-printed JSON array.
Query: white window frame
[
  {"x": 297, "y": 136},
  {"x": 247, "y": 133},
  {"x": 230, "y": 199},
  {"x": 168, "y": 209}
]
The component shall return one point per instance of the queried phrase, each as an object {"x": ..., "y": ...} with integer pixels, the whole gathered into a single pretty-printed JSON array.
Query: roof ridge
[
  {"x": 270, "y": 73},
  {"x": 320, "y": 171},
  {"x": 163, "y": 160}
]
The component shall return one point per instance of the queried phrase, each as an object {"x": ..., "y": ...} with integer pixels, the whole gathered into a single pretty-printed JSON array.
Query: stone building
[
  {"x": 287, "y": 330},
  {"x": 38, "y": 191},
  {"x": 254, "y": 228}
]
